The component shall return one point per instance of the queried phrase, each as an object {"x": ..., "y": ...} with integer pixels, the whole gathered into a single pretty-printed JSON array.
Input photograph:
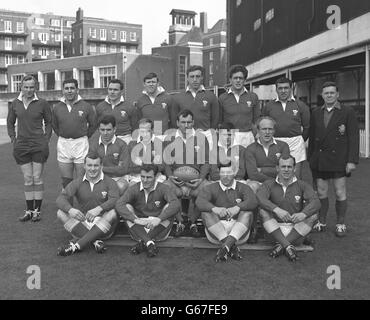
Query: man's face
[
  {"x": 114, "y": 92},
  {"x": 330, "y": 95},
  {"x": 70, "y": 92},
  {"x": 284, "y": 91},
  {"x": 237, "y": 81},
  {"x": 107, "y": 132},
  {"x": 227, "y": 176},
  {"x": 151, "y": 85},
  {"x": 286, "y": 169},
  {"x": 225, "y": 137},
  {"x": 145, "y": 132},
  {"x": 92, "y": 168},
  {"x": 185, "y": 123},
  {"x": 266, "y": 130},
  {"x": 28, "y": 88},
  {"x": 147, "y": 179},
  {"x": 195, "y": 79}
]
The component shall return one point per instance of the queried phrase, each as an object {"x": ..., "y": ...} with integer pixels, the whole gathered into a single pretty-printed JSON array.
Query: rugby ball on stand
[{"x": 186, "y": 173}]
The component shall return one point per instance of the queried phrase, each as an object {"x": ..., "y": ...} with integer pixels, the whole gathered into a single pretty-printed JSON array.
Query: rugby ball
[{"x": 186, "y": 173}]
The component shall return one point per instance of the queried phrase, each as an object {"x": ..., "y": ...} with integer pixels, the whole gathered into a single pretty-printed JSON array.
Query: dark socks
[
  {"x": 30, "y": 205},
  {"x": 341, "y": 209},
  {"x": 38, "y": 205},
  {"x": 279, "y": 237},
  {"x": 324, "y": 210}
]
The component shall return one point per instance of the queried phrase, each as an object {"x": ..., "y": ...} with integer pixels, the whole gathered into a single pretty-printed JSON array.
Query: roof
[
  {"x": 194, "y": 35},
  {"x": 174, "y": 11},
  {"x": 219, "y": 26}
]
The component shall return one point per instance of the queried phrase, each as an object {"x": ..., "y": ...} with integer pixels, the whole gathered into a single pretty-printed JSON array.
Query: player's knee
[
  {"x": 341, "y": 194},
  {"x": 111, "y": 216},
  {"x": 28, "y": 179},
  {"x": 245, "y": 217},
  {"x": 265, "y": 216},
  {"x": 37, "y": 180}
]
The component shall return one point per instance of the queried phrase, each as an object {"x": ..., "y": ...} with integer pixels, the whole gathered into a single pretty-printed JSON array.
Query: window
[
  {"x": 32, "y": 36},
  {"x": 43, "y": 52},
  {"x": 113, "y": 49},
  {"x": 44, "y": 37},
  {"x": 81, "y": 48},
  {"x": 211, "y": 56},
  {"x": 103, "y": 48},
  {"x": 211, "y": 68},
  {"x": 39, "y": 21},
  {"x": 132, "y": 50},
  {"x": 55, "y": 22},
  {"x": 20, "y": 41},
  {"x": 53, "y": 52},
  {"x": 20, "y": 59},
  {"x": 257, "y": 24},
  {"x": 8, "y": 43},
  {"x": 182, "y": 72},
  {"x": 106, "y": 74},
  {"x": 57, "y": 37},
  {"x": 80, "y": 33},
  {"x": 114, "y": 34},
  {"x": 123, "y": 49},
  {"x": 69, "y": 24},
  {"x": 92, "y": 32},
  {"x": 132, "y": 36},
  {"x": 33, "y": 52},
  {"x": 211, "y": 81},
  {"x": 8, "y": 26},
  {"x": 270, "y": 15},
  {"x": 93, "y": 47},
  {"x": 16, "y": 82},
  {"x": 103, "y": 34},
  {"x": 8, "y": 60},
  {"x": 20, "y": 27},
  {"x": 87, "y": 78},
  {"x": 123, "y": 36},
  {"x": 211, "y": 41}
]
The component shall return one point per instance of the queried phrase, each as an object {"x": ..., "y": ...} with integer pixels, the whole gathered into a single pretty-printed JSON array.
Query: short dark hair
[
  {"x": 238, "y": 68},
  {"x": 93, "y": 156},
  {"x": 225, "y": 126},
  {"x": 259, "y": 120},
  {"x": 283, "y": 80},
  {"x": 185, "y": 113},
  {"x": 150, "y": 76},
  {"x": 146, "y": 120},
  {"x": 74, "y": 81},
  {"x": 329, "y": 84},
  {"x": 28, "y": 78},
  {"x": 287, "y": 158},
  {"x": 227, "y": 164},
  {"x": 116, "y": 81},
  {"x": 150, "y": 167},
  {"x": 107, "y": 119},
  {"x": 195, "y": 68}
]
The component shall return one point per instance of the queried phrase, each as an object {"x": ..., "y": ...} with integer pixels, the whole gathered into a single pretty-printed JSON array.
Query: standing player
[
  {"x": 74, "y": 121},
  {"x": 95, "y": 218},
  {"x": 113, "y": 151},
  {"x": 292, "y": 121},
  {"x": 124, "y": 112},
  {"x": 31, "y": 143},
  {"x": 203, "y": 104},
  {"x": 155, "y": 104},
  {"x": 240, "y": 107},
  {"x": 287, "y": 200},
  {"x": 333, "y": 153}
]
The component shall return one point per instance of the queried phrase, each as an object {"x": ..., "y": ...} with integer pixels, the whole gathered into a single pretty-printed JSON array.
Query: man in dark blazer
[{"x": 333, "y": 153}]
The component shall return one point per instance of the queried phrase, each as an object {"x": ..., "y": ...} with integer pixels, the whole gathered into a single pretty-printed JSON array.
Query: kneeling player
[
  {"x": 287, "y": 200},
  {"x": 97, "y": 195},
  {"x": 226, "y": 208},
  {"x": 148, "y": 208}
]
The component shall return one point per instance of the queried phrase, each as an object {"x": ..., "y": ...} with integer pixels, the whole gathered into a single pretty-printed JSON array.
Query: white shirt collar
[
  {"x": 230, "y": 90},
  {"x": 273, "y": 141},
  {"x": 154, "y": 188},
  {"x": 290, "y": 99},
  {"x": 122, "y": 99},
  {"x": 159, "y": 91},
  {"x": 113, "y": 141},
  {"x": 63, "y": 99},
  {"x": 278, "y": 182},
  {"x": 179, "y": 135},
  {"x": 100, "y": 178},
  {"x": 224, "y": 188},
  {"x": 35, "y": 97},
  {"x": 201, "y": 88}
]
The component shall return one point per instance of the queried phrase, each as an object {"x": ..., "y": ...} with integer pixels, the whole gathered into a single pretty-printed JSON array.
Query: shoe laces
[
  {"x": 71, "y": 247},
  {"x": 341, "y": 228},
  {"x": 291, "y": 250},
  {"x": 98, "y": 244},
  {"x": 319, "y": 225}
]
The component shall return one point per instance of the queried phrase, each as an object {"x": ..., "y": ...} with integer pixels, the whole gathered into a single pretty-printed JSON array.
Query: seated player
[
  {"x": 226, "y": 208},
  {"x": 112, "y": 151},
  {"x": 225, "y": 151},
  {"x": 186, "y": 166},
  {"x": 144, "y": 148},
  {"x": 148, "y": 208},
  {"x": 262, "y": 156},
  {"x": 287, "y": 200},
  {"x": 94, "y": 218}
]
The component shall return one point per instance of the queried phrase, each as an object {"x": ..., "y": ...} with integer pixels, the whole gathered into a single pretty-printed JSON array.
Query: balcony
[
  {"x": 15, "y": 50},
  {"x": 14, "y": 34},
  {"x": 117, "y": 42}
]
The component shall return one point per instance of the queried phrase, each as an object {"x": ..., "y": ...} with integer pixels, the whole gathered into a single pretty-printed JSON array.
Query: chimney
[
  {"x": 79, "y": 14},
  {"x": 203, "y": 22}
]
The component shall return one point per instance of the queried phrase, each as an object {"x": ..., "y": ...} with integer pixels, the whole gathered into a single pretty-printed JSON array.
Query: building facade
[{"x": 91, "y": 36}]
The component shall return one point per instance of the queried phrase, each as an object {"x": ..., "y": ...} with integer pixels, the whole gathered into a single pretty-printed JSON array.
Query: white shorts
[
  {"x": 297, "y": 147},
  {"x": 228, "y": 225},
  {"x": 72, "y": 150},
  {"x": 126, "y": 138},
  {"x": 244, "y": 138}
]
